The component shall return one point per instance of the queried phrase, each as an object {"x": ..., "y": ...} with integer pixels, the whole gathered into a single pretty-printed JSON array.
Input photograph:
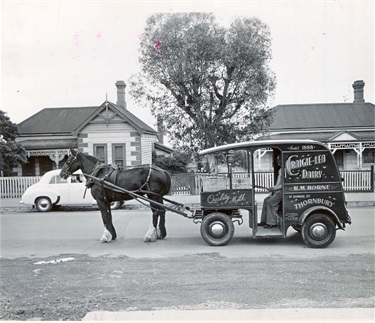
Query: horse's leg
[
  {"x": 156, "y": 232},
  {"x": 109, "y": 230},
  {"x": 163, "y": 230},
  {"x": 158, "y": 215}
]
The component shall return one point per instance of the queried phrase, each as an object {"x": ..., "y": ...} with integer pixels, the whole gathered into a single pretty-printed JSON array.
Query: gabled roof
[
  {"x": 69, "y": 120},
  {"x": 334, "y": 115},
  {"x": 55, "y": 120}
]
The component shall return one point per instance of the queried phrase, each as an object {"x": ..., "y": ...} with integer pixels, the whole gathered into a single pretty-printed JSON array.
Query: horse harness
[{"x": 113, "y": 169}]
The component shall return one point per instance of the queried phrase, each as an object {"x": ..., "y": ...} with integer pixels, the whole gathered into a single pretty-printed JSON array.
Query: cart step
[{"x": 270, "y": 232}]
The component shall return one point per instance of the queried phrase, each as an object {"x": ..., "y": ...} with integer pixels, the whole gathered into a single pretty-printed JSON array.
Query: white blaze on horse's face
[{"x": 106, "y": 237}]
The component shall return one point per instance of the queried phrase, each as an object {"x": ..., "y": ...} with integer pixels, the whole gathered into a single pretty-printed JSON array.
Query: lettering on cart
[
  {"x": 291, "y": 217},
  {"x": 294, "y": 165},
  {"x": 312, "y": 188},
  {"x": 226, "y": 199},
  {"x": 313, "y": 201}
]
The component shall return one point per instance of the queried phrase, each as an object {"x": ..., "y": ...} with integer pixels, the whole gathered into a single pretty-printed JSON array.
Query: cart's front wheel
[{"x": 217, "y": 229}]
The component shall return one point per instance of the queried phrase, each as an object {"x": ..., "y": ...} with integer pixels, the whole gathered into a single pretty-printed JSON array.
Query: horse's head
[{"x": 71, "y": 165}]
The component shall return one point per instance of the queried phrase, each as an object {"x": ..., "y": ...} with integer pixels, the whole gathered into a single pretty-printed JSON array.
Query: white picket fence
[
  {"x": 14, "y": 187},
  {"x": 192, "y": 183}
]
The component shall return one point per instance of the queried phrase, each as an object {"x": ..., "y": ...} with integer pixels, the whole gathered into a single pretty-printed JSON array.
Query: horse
[{"x": 148, "y": 180}]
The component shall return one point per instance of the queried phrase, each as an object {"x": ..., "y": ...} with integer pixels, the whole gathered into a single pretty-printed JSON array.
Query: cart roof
[{"x": 260, "y": 144}]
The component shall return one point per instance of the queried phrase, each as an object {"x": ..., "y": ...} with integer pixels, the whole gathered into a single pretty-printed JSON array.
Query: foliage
[
  {"x": 209, "y": 84},
  {"x": 11, "y": 152},
  {"x": 174, "y": 164}
]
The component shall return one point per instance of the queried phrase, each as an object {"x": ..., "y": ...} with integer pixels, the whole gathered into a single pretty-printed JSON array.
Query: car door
[
  {"x": 60, "y": 186},
  {"x": 77, "y": 189}
]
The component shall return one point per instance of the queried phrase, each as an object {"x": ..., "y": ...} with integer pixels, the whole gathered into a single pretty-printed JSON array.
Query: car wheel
[
  {"x": 217, "y": 229},
  {"x": 318, "y": 231},
  {"x": 43, "y": 204},
  {"x": 115, "y": 205}
]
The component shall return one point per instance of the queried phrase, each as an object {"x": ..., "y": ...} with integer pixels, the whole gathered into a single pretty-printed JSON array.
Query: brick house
[{"x": 108, "y": 131}]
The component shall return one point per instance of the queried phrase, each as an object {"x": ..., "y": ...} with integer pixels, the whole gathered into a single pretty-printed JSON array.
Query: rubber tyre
[
  {"x": 43, "y": 204},
  {"x": 318, "y": 231},
  {"x": 115, "y": 205},
  {"x": 217, "y": 229}
]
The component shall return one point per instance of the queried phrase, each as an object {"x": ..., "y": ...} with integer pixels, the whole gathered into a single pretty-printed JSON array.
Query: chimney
[
  {"x": 121, "y": 94},
  {"x": 358, "y": 91},
  {"x": 160, "y": 126}
]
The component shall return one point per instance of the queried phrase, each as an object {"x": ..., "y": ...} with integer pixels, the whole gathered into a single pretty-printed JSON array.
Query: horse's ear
[{"x": 73, "y": 151}]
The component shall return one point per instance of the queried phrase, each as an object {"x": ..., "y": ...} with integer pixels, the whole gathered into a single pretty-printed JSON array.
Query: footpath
[{"x": 353, "y": 200}]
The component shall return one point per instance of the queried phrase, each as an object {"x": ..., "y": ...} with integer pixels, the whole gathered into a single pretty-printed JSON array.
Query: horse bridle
[{"x": 68, "y": 164}]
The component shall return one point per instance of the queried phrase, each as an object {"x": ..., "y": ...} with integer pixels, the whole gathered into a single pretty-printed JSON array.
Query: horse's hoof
[
  {"x": 150, "y": 236},
  {"x": 106, "y": 237}
]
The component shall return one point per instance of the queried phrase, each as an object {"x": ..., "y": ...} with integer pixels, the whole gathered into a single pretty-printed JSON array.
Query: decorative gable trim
[
  {"x": 344, "y": 136},
  {"x": 108, "y": 113}
]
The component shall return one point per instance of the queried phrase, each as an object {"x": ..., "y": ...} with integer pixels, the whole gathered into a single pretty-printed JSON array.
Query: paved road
[
  {"x": 179, "y": 273},
  {"x": 34, "y": 234}
]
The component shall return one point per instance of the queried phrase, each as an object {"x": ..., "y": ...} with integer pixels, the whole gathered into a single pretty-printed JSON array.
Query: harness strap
[{"x": 147, "y": 179}]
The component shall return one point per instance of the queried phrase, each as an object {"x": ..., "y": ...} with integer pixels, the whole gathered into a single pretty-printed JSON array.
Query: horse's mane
[{"x": 87, "y": 156}]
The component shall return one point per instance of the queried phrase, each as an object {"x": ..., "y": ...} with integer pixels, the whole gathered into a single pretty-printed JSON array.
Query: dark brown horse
[{"x": 142, "y": 180}]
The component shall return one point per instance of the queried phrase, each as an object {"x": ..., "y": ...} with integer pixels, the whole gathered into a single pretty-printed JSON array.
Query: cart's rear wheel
[
  {"x": 318, "y": 231},
  {"x": 217, "y": 229}
]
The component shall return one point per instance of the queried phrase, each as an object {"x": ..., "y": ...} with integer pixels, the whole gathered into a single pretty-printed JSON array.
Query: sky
[{"x": 71, "y": 53}]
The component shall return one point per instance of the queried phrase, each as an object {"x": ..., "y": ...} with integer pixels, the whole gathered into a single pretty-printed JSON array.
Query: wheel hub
[
  {"x": 319, "y": 231},
  {"x": 217, "y": 229}
]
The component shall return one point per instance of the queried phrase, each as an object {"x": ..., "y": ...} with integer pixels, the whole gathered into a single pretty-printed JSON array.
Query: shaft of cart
[{"x": 176, "y": 209}]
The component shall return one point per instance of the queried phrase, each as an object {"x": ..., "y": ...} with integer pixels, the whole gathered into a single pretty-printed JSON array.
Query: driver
[{"x": 270, "y": 203}]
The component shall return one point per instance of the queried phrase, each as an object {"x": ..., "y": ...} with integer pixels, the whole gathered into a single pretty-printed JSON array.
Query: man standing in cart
[{"x": 271, "y": 202}]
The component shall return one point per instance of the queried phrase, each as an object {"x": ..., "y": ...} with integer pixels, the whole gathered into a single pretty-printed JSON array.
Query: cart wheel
[
  {"x": 43, "y": 204},
  {"x": 217, "y": 229},
  {"x": 318, "y": 231}
]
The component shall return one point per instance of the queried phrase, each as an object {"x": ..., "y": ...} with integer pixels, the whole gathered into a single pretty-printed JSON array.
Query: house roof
[
  {"x": 320, "y": 136},
  {"x": 54, "y": 143},
  {"x": 334, "y": 115},
  {"x": 55, "y": 120},
  {"x": 162, "y": 147},
  {"x": 67, "y": 120}
]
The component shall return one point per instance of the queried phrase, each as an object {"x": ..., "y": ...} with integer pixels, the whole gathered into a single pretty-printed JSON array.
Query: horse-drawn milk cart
[{"x": 312, "y": 198}]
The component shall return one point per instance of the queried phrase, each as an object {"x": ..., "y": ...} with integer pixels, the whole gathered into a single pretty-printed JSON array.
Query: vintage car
[{"x": 52, "y": 191}]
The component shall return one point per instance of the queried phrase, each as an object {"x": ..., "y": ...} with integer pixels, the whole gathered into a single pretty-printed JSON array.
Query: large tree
[
  {"x": 11, "y": 152},
  {"x": 210, "y": 84}
]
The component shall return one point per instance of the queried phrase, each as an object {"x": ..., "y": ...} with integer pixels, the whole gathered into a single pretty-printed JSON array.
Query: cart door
[{"x": 261, "y": 182}]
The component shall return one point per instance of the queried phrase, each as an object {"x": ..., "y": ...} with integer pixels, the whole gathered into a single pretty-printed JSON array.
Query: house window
[
  {"x": 369, "y": 156},
  {"x": 100, "y": 152},
  {"x": 118, "y": 154}
]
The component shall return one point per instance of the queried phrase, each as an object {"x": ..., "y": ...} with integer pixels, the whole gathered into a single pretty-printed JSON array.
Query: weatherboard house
[
  {"x": 109, "y": 131},
  {"x": 348, "y": 129}
]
